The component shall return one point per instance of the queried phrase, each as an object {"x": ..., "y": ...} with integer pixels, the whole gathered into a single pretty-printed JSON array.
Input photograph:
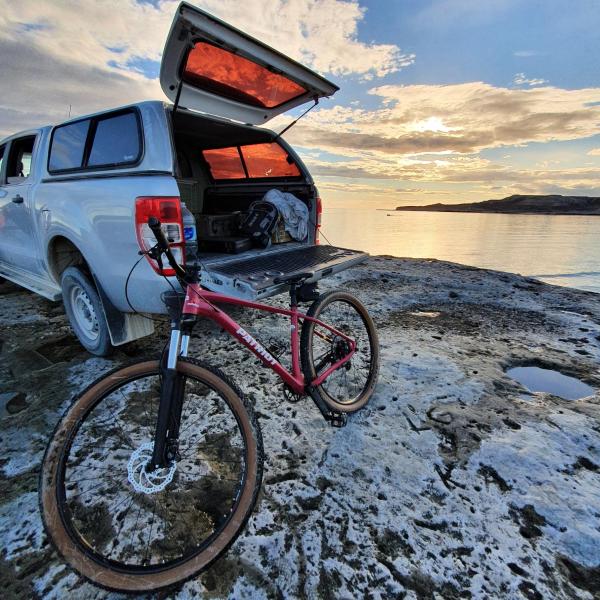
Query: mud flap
[{"x": 122, "y": 327}]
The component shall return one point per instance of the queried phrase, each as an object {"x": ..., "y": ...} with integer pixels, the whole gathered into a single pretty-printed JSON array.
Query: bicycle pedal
[{"x": 338, "y": 419}]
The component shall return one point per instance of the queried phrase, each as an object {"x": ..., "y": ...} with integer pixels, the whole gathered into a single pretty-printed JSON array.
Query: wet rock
[
  {"x": 491, "y": 476},
  {"x": 12, "y": 403},
  {"x": 585, "y": 463},
  {"x": 582, "y": 577},
  {"x": 529, "y": 520},
  {"x": 440, "y": 415},
  {"x": 397, "y": 503},
  {"x": 517, "y": 570}
]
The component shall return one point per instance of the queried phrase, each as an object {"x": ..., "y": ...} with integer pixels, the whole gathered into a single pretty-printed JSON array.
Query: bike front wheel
[
  {"x": 351, "y": 385},
  {"x": 127, "y": 527}
]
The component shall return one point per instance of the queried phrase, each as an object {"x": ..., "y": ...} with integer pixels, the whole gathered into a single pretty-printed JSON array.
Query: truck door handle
[{"x": 18, "y": 199}]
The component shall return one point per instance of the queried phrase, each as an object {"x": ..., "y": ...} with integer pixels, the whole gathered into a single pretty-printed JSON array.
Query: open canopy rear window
[
  {"x": 255, "y": 161},
  {"x": 232, "y": 76}
]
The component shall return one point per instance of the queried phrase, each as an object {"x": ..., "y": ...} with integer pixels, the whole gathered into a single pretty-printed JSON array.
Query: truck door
[{"x": 18, "y": 242}]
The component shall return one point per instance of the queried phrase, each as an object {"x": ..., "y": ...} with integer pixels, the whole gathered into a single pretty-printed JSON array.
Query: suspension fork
[{"x": 166, "y": 437}]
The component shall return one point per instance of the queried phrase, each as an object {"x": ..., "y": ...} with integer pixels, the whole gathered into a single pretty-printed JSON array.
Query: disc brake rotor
[{"x": 143, "y": 480}]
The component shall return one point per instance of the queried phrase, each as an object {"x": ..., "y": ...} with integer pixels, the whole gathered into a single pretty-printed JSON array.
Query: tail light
[
  {"x": 318, "y": 221},
  {"x": 168, "y": 210}
]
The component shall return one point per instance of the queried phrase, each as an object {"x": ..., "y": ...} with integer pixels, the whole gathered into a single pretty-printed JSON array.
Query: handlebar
[{"x": 163, "y": 247}]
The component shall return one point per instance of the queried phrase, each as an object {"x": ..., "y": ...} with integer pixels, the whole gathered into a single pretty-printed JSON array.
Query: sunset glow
[{"x": 441, "y": 100}]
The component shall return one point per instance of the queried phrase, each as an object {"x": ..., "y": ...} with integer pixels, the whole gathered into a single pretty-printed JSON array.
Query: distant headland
[{"x": 522, "y": 204}]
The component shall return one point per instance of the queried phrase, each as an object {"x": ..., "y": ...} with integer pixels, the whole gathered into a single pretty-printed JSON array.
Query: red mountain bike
[{"x": 154, "y": 470}]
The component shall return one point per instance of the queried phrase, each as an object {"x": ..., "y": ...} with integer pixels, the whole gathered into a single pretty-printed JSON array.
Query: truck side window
[
  {"x": 19, "y": 160},
  {"x": 116, "y": 141},
  {"x": 68, "y": 145}
]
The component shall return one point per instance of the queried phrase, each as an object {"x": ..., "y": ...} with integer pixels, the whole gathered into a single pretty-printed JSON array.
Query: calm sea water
[{"x": 563, "y": 250}]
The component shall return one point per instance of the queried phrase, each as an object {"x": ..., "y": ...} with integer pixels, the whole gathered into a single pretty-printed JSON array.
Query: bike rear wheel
[
  {"x": 350, "y": 386},
  {"x": 126, "y": 527}
]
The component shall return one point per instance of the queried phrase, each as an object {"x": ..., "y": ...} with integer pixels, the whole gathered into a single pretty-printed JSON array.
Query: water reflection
[
  {"x": 563, "y": 250},
  {"x": 536, "y": 379}
]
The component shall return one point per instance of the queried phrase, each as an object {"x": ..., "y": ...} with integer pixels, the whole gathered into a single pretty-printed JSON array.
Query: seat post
[{"x": 293, "y": 294}]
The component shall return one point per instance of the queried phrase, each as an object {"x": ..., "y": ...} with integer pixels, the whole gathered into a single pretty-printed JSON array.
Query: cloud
[
  {"x": 464, "y": 118},
  {"x": 320, "y": 33},
  {"x": 100, "y": 54},
  {"x": 594, "y": 152},
  {"x": 520, "y": 79},
  {"x": 526, "y": 53},
  {"x": 45, "y": 94}
]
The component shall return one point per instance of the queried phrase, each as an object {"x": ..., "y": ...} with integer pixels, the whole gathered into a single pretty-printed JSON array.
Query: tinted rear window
[
  {"x": 268, "y": 160},
  {"x": 226, "y": 74},
  {"x": 116, "y": 141},
  {"x": 68, "y": 145},
  {"x": 261, "y": 161},
  {"x": 225, "y": 163}
]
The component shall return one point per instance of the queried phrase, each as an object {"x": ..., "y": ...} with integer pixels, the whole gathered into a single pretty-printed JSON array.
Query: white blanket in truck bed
[{"x": 293, "y": 212}]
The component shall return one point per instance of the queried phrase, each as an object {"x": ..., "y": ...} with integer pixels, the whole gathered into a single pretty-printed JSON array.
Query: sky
[{"x": 440, "y": 100}]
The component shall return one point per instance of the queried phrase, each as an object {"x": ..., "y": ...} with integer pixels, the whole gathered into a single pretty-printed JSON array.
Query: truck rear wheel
[{"x": 84, "y": 309}]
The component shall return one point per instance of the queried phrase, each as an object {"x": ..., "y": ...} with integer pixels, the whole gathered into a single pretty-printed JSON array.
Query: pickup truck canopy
[{"x": 212, "y": 67}]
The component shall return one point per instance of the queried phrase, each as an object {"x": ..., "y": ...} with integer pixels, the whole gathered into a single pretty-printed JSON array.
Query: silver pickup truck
[{"x": 75, "y": 197}]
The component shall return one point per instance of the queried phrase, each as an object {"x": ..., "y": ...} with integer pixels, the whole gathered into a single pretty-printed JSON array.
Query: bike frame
[{"x": 200, "y": 303}]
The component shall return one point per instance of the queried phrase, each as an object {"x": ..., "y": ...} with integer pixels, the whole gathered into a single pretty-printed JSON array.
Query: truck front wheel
[{"x": 84, "y": 309}]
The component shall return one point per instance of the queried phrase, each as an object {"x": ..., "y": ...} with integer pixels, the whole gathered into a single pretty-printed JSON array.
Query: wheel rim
[
  {"x": 148, "y": 531},
  {"x": 346, "y": 384},
  {"x": 84, "y": 313}
]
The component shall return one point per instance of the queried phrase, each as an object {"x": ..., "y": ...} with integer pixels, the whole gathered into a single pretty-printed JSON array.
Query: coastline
[
  {"x": 497, "y": 212},
  {"x": 453, "y": 480}
]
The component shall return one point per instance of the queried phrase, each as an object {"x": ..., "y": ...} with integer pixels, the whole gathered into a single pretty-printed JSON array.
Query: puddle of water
[{"x": 536, "y": 379}]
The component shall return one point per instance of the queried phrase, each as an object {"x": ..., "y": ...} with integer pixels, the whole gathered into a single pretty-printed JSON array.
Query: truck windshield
[{"x": 255, "y": 161}]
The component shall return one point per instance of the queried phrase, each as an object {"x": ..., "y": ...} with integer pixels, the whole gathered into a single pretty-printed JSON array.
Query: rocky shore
[{"x": 454, "y": 482}]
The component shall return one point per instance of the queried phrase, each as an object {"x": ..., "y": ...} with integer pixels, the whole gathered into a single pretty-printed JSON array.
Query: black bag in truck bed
[
  {"x": 224, "y": 225},
  {"x": 255, "y": 277},
  {"x": 227, "y": 244}
]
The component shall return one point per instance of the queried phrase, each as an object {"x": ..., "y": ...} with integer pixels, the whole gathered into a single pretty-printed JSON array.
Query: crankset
[{"x": 290, "y": 395}]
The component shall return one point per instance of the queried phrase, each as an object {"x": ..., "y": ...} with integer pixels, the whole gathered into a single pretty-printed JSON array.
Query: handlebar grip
[
  {"x": 163, "y": 246},
  {"x": 159, "y": 234}
]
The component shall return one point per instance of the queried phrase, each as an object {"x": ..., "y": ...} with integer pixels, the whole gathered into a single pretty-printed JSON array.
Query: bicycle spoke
[
  {"x": 349, "y": 380},
  {"x": 124, "y": 522}
]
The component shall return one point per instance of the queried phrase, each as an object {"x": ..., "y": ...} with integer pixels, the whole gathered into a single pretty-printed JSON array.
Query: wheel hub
[
  {"x": 84, "y": 312},
  {"x": 341, "y": 349},
  {"x": 144, "y": 480}
]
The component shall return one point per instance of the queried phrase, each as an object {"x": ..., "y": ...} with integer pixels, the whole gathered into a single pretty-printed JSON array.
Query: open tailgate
[
  {"x": 253, "y": 278},
  {"x": 210, "y": 66}
]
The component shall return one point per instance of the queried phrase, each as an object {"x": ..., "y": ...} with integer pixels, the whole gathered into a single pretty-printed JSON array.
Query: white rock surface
[{"x": 453, "y": 482}]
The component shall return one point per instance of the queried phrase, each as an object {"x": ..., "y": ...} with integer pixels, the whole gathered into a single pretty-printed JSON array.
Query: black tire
[
  {"x": 356, "y": 323},
  {"x": 179, "y": 515},
  {"x": 85, "y": 312}
]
